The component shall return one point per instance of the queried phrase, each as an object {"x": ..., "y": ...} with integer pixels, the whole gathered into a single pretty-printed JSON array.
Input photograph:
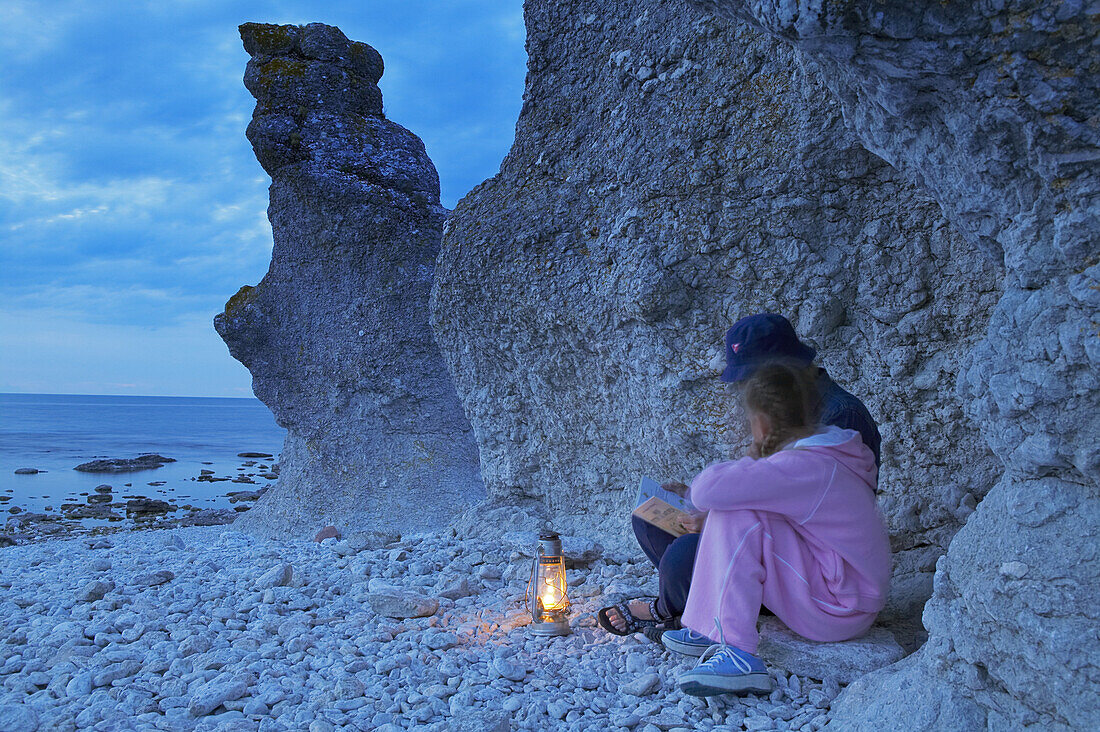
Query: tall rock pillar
[{"x": 336, "y": 334}]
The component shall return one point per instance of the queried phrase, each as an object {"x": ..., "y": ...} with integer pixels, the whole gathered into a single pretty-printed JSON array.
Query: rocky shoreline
[
  {"x": 110, "y": 509},
  {"x": 208, "y": 628}
]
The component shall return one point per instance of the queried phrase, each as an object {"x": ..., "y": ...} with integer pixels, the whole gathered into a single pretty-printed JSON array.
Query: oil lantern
[{"x": 546, "y": 595}]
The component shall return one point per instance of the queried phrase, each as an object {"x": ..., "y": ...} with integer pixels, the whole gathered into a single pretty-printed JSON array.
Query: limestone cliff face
[
  {"x": 671, "y": 173},
  {"x": 993, "y": 107},
  {"x": 336, "y": 334}
]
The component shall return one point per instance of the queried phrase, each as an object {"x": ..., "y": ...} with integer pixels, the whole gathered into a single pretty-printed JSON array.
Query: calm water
[{"x": 55, "y": 433}]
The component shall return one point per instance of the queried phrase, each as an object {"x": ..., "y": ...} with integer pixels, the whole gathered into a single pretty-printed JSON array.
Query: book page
[
  {"x": 649, "y": 488},
  {"x": 663, "y": 516}
]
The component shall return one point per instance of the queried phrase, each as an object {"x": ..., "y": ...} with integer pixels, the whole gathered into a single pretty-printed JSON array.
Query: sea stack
[{"x": 336, "y": 334}]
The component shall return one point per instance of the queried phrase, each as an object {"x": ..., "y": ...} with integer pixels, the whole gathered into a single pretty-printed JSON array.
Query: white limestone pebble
[
  {"x": 278, "y": 576},
  {"x": 457, "y": 590},
  {"x": 488, "y": 572},
  {"x": 151, "y": 579},
  {"x": 80, "y": 684},
  {"x": 18, "y": 718},
  {"x": 194, "y": 644},
  {"x": 508, "y": 670},
  {"x": 95, "y": 590},
  {"x": 213, "y": 694},
  {"x": 440, "y": 640},
  {"x": 641, "y": 686},
  {"x": 114, "y": 672},
  {"x": 401, "y": 604},
  {"x": 588, "y": 681}
]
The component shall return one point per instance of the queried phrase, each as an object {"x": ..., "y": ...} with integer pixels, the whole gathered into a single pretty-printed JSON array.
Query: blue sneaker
[
  {"x": 726, "y": 669},
  {"x": 686, "y": 641}
]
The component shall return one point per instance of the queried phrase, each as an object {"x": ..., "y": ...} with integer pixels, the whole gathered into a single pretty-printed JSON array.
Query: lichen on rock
[{"x": 336, "y": 334}]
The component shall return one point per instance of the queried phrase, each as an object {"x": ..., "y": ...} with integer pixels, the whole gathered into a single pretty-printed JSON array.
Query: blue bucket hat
[{"x": 757, "y": 339}]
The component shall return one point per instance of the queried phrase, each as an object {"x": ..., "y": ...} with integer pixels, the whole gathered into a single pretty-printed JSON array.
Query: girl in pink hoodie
[{"x": 793, "y": 527}]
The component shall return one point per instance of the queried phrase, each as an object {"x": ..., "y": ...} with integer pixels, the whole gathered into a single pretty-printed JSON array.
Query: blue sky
[{"x": 131, "y": 205}]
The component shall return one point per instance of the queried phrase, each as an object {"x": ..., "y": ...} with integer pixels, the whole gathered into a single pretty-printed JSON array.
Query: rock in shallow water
[
  {"x": 209, "y": 517},
  {"x": 147, "y": 506},
  {"x": 124, "y": 465}
]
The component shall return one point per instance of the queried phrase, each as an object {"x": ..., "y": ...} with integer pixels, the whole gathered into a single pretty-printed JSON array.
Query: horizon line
[{"x": 135, "y": 396}]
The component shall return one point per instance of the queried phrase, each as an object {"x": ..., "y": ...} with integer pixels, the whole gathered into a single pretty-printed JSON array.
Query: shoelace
[{"x": 726, "y": 652}]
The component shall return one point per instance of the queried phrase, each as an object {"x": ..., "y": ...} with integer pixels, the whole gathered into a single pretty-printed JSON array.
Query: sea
[{"x": 54, "y": 433}]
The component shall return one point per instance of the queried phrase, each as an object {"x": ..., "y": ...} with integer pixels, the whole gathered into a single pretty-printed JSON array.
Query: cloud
[
  {"x": 47, "y": 352},
  {"x": 28, "y": 32},
  {"x": 130, "y": 200}
]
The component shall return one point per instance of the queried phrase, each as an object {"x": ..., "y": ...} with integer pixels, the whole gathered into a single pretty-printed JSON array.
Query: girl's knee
[{"x": 681, "y": 553}]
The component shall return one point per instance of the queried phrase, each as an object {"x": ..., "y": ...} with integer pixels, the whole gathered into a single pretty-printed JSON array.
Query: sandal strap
[{"x": 632, "y": 622}]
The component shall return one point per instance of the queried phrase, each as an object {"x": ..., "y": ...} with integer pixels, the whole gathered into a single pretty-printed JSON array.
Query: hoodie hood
[{"x": 846, "y": 447}]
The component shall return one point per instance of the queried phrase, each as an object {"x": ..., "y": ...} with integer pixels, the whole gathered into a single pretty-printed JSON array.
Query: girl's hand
[
  {"x": 676, "y": 487},
  {"x": 694, "y": 523}
]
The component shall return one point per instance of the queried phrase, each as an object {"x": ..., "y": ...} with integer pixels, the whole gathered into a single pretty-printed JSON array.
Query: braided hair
[{"x": 787, "y": 394}]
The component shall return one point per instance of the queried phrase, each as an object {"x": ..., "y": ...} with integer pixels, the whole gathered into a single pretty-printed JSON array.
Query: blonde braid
[
  {"x": 787, "y": 395},
  {"x": 771, "y": 443}
]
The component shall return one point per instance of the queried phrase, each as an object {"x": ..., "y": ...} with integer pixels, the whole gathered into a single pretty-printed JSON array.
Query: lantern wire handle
[{"x": 531, "y": 589}]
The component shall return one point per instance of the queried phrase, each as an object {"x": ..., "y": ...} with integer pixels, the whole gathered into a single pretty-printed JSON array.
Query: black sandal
[
  {"x": 633, "y": 623},
  {"x": 654, "y": 632}
]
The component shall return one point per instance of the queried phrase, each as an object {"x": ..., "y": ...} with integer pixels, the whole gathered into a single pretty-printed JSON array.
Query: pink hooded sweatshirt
[{"x": 799, "y": 532}]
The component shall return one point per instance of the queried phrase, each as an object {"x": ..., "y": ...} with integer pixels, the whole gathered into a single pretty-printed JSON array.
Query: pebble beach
[{"x": 207, "y": 628}]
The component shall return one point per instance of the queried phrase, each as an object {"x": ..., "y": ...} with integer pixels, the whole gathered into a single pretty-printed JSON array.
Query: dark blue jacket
[{"x": 842, "y": 409}]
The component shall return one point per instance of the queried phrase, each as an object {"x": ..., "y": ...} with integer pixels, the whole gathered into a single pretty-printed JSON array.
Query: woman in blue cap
[{"x": 752, "y": 342}]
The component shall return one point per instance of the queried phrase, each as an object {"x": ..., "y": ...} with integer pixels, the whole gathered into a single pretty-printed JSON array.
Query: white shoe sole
[{"x": 702, "y": 684}]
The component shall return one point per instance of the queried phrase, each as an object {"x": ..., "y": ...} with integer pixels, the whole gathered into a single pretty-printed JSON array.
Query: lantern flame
[{"x": 552, "y": 596}]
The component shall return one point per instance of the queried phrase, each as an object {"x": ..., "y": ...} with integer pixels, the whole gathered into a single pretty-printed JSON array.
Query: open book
[{"x": 662, "y": 508}]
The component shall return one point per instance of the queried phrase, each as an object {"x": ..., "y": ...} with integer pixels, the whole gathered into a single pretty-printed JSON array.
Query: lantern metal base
[{"x": 549, "y": 628}]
